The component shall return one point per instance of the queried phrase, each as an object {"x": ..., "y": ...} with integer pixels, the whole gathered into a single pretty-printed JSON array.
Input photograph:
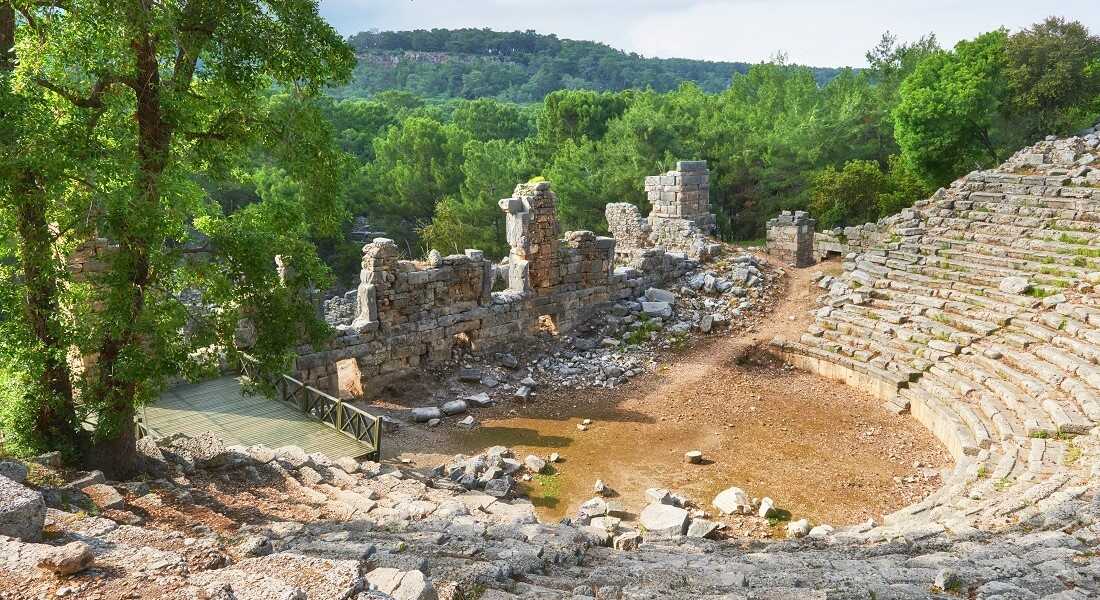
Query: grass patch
[
  {"x": 1066, "y": 238},
  {"x": 1039, "y": 435},
  {"x": 983, "y": 472},
  {"x": 778, "y": 516},
  {"x": 641, "y": 334},
  {"x": 40, "y": 476},
  {"x": 1088, "y": 252},
  {"x": 1047, "y": 270},
  {"x": 1002, "y": 484},
  {"x": 474, "y": 593},
  {"x": 549, "y": 484},
  {"x": 1072, "y": 455}
]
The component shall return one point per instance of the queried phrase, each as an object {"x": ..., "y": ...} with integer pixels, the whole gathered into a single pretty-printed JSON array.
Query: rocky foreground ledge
[{"x": 216, "y": 522}]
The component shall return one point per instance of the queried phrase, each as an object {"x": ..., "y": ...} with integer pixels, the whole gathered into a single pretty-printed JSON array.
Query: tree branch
[{"x": 94, "y": 98}]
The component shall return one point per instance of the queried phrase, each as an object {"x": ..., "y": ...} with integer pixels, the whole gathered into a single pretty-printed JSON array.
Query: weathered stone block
[{"x": 22, "y": 511}]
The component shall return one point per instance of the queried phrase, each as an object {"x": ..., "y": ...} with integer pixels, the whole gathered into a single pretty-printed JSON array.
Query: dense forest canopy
[
  {"x": 519, "y": 66},
  {"x": 851, "y": 148}
]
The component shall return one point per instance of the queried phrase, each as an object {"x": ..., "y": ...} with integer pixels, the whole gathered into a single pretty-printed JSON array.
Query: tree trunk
[
  {"x": 7, "y": 37},
  {"x": 55, "y": 423},
  {"x": 117, "y": 453}
]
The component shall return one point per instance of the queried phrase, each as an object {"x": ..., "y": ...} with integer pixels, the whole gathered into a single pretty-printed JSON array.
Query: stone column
[
  {"x": 533, "y": 232},
  {"x": 375, "y": 280},
  {"x": 791, "y": 238}
]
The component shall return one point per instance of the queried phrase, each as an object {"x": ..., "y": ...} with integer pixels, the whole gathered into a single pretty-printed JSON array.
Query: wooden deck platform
[{"x": 220, "y": 406}]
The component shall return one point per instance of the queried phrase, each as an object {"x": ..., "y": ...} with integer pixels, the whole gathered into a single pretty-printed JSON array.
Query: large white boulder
[
  {"x": 425, "y": 414},
  {"x": 798, "y": 529},
  {"x": 664, "y": 520},
  {"x": 402, "y": 585},
  {"x": 733, "y": 501},
  {"x": 657, "y": 309},
  {"x": 659, "y": 295}
]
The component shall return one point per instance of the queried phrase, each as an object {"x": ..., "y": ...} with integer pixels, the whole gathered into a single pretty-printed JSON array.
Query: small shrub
[
  {"x": 1038, "y": 292},
  {"x": 1065, "y": 238}
]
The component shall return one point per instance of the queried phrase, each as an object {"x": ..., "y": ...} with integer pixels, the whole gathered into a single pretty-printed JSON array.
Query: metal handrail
[{"x": 349, "y": 420}]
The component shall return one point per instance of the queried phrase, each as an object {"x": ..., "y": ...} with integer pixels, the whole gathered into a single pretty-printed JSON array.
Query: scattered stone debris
[
  {"x": 282, "y": 523},
  {"x": 613, "y": 347}
]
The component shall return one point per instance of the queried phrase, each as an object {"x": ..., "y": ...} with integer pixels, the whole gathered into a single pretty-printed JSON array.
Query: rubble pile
[{"x": 219, "y": 522}]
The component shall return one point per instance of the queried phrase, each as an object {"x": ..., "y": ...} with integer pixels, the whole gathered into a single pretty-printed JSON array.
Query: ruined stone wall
[
  {"x": 682, "y": 194},
  {"x": 680, "y": 220},
  {"x": 410, "y": 314},
  {"x": 841, "y": 241},
  {"x": 90, "y": 259},
  {"x": 630, "y": 230},
  {"x": 532, "y": 232}
]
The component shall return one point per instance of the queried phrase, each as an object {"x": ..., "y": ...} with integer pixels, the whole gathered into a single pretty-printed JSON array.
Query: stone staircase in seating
[{"x": 977, "y": 315}]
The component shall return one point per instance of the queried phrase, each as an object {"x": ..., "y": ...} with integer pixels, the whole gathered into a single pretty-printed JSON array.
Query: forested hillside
[
  {"x": 860, "y": 146},
  {"x": 520, "y": 66}
]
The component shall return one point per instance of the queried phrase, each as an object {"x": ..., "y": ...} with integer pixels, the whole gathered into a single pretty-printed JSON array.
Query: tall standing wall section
[{"x": 411, "y": 314}]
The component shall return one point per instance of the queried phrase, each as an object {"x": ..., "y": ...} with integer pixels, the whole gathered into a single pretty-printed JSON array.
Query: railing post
[
  {"x": 339, "y": 416},
  {"x": 377, "y": 441}
]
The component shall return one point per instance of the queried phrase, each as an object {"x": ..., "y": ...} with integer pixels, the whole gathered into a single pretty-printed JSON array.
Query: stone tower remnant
[
  {"x": 680, "y": 220},
  {"x": 533, "y": 234},
  {"x": 791, "y": 238}
]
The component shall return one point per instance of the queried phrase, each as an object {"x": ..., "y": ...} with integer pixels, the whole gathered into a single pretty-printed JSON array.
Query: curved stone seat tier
[{"x": 930, "y": 316}]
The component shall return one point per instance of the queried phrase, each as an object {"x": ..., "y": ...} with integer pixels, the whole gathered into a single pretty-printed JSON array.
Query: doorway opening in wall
[
  {"x": 830, "y": 255},
  {"x": 546, "y": 324},
  {"x": 460, "y": 344},
  {"x": 349, "y": 380}
]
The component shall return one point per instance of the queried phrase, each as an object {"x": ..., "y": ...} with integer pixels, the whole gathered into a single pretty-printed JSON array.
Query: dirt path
[{"x": 819, "y": 448}]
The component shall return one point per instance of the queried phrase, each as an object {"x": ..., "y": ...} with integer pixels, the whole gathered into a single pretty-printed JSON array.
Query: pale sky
[{"x": 814, "y": 32}]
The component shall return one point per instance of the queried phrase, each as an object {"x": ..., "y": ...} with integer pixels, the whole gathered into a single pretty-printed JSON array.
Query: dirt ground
[{"x": 819, "y": 448}]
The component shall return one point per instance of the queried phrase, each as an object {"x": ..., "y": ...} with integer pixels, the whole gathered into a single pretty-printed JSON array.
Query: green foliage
[
  {"x": 161, "y": 129},
  {"x": 1053, "y": 74},
  {"x": 862, "y": 192},
  {"x": 486, "y": 119},
  {"x": 417, "y": 164},
  {"x": 971, "y": 107},
  {"x": 17, "y": 413},
  {"x": 520, "y": 66},
  {"x": 946, "y": 120},
  {"x": 473, "y": 219}
]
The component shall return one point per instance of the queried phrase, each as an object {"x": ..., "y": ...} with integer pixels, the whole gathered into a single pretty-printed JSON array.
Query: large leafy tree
[
  {"x": 949, "y": 119},
  {"x": 1053, "y": 73},
  {"x": 472, "y": 218},
  {"x": 114, "y": 107},
  {"x": 417, "y": 163}
]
